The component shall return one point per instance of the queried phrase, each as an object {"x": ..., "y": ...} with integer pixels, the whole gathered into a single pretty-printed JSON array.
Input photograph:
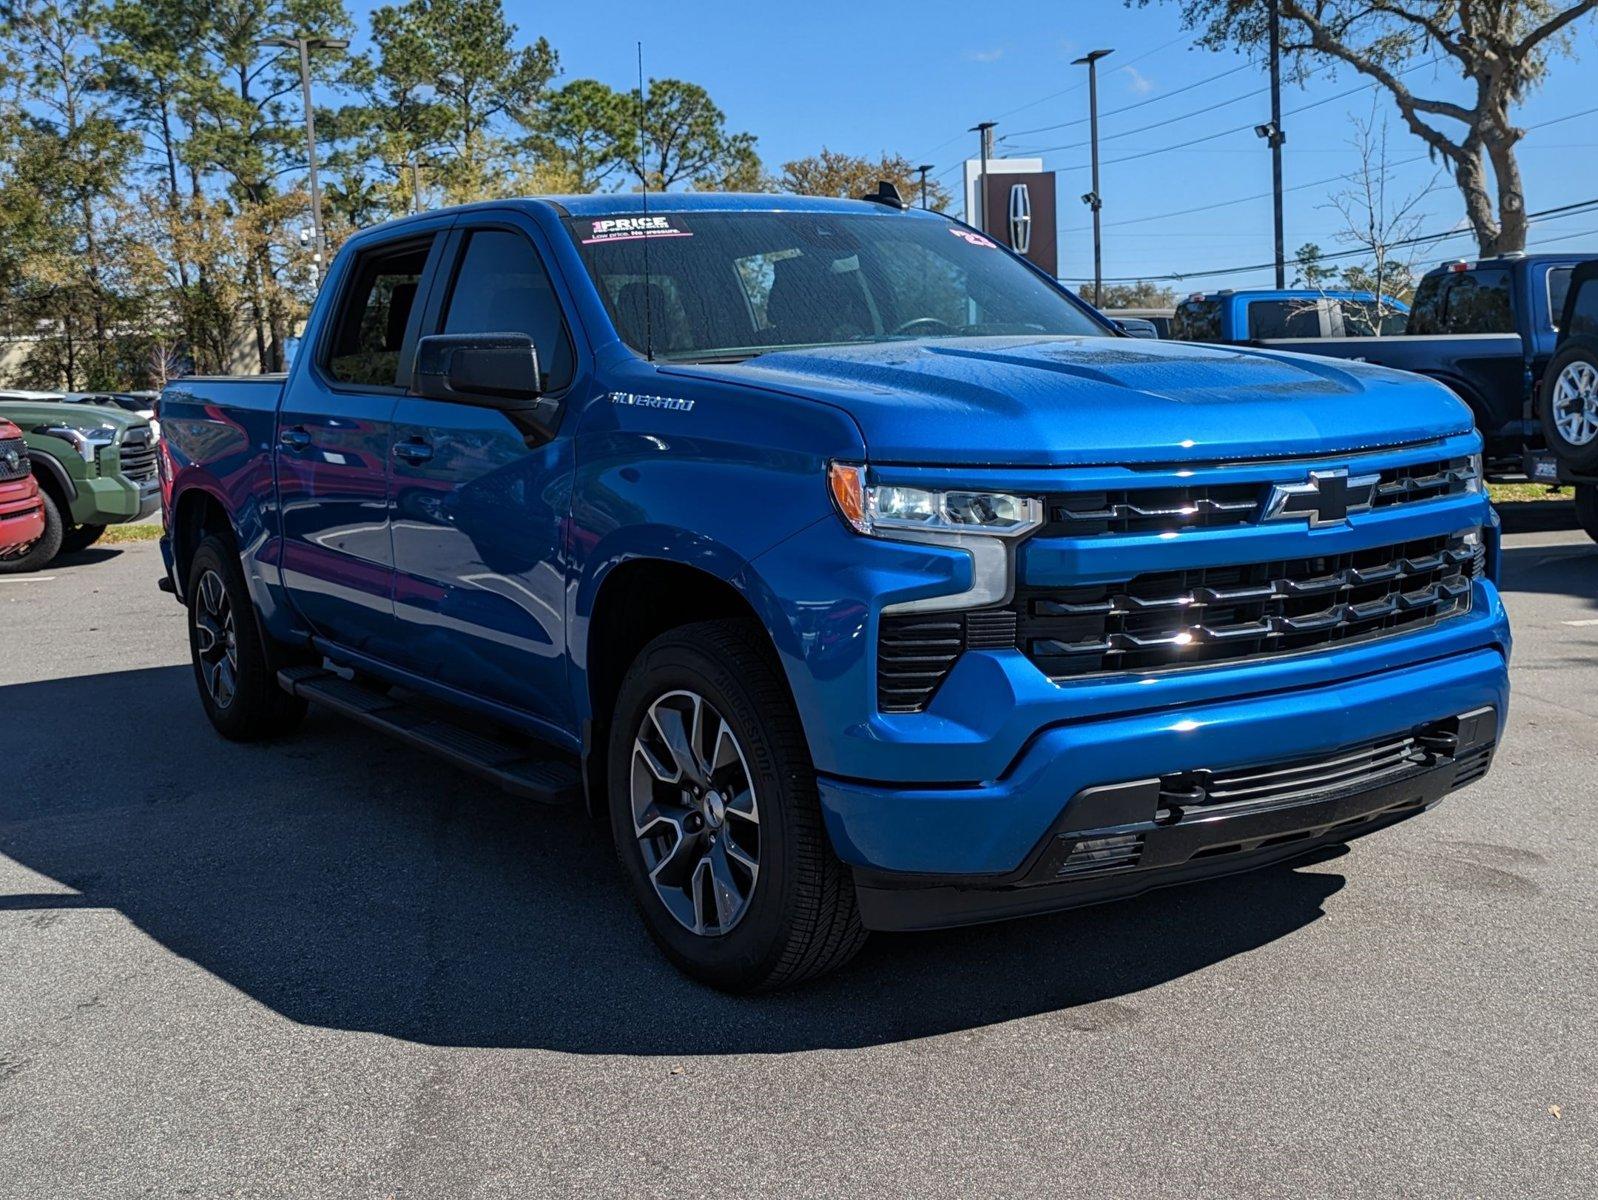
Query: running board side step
[{"x": 522, "y": 768}]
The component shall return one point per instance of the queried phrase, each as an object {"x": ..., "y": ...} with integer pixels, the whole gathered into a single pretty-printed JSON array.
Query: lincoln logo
[
  {"x": 1020, "y": 218},
  {"x": 1326, "y": 499}
]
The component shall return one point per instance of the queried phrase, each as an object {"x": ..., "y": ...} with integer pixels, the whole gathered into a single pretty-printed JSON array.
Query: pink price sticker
[{"x": 976, "y": 239}]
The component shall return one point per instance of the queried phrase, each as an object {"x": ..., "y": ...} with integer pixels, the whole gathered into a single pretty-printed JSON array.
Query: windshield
[{"x": 733, "y": 285}]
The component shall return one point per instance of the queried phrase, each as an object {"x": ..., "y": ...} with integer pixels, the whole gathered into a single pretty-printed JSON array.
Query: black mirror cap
[{"x": 494, "y": 370}]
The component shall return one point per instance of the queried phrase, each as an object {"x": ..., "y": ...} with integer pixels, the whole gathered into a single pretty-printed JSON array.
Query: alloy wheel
[
  {"x": 695, "y": 813},
  {"x": 215, "y": 640},
  {"x": 1576, "y": 403}
]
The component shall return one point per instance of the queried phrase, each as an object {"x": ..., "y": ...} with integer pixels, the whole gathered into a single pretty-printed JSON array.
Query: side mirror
[
  {"x": 492, "y": 370},
  {"x": 1137, "y": 327}
]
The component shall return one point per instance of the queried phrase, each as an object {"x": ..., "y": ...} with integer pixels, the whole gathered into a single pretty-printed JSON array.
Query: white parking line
[
  {"x": 26, "y": 578},
  {"x": 1592, "y": 621}
]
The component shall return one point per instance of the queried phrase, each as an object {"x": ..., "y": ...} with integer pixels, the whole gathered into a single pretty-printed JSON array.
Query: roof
[{"x": 1289, "y": 294}]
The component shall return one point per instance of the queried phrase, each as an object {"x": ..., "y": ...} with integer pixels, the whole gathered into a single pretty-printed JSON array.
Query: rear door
[
  {"x": 479, "y": 502},
  {"x": 334, "y": 435}
]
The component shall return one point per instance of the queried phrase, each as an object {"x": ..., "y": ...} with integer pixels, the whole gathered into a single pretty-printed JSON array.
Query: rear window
[
  {"x": 1558, "y": 290},
  {"x": 1464, "y": 302},
  {"x": 1367, "y": 318},
  {"x": 1197, "y": 320},
  {"x": 1293, "y": 318}
]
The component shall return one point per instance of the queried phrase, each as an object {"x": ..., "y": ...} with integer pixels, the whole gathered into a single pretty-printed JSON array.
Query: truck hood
[
  {"x": 28, "y": 415},
  {"x": 1083, "y": 401}
]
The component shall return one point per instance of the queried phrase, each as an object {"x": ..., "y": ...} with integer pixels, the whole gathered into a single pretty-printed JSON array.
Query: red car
[{"x": 21, "y": 510}]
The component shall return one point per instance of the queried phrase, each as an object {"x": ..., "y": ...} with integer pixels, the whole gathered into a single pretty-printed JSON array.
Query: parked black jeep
[{"x": 1569, "y": 407}]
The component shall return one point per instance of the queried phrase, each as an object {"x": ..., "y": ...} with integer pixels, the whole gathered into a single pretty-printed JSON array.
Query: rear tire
[
  {"x": 724, "y": 831},
  {"x": 1587, "y": 508},
  {"x": 232, "y": 669},
  {"x": 80, "y": 537},
  {"x": 42, "y": 551},
  {"x": 1570, "y": 407}
]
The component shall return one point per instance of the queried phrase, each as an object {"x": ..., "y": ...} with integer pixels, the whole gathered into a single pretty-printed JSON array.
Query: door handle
[
  {"x": 414, "y": 451},
  {"x": 295, "y": 438}
]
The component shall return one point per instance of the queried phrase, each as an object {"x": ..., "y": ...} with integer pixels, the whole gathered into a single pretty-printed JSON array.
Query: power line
[
  {"x": 1354, "y": 91},
  {"x": 1126, "y": 108}
]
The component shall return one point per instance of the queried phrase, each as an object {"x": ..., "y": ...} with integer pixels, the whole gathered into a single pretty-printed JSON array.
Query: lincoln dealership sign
[{"x": 1014, "y": 202}]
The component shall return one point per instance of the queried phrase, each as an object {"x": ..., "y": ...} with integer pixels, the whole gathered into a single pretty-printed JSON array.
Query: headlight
[
  {"x": 87, "y": 440},
  {"x": 984, "y": 524},
  {"x": 1477, "y": 482},
  {"x": 890, "y": 511}
]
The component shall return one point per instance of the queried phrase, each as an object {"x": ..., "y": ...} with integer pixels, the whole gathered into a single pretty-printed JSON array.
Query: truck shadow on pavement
[{"x": 348, "y": 882}]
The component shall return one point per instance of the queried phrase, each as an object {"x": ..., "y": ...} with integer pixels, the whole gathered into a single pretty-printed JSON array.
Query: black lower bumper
[{"x": 1123, "y": 860}]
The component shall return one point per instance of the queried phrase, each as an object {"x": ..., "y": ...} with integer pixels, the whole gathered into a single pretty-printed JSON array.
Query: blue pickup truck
[
  {"x": 1243, "y": 315},
  {"x": 1485, "y": 329},
  {"x": 850, "y": 570}
]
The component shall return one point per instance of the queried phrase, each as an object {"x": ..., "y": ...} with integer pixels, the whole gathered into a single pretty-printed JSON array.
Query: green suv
[{"x": 96, "y": 466}]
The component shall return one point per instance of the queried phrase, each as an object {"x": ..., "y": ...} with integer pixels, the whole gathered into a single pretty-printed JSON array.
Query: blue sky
[{"x": 865, "y": 77}]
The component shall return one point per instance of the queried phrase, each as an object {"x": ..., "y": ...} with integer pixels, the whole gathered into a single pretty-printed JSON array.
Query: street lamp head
[
  {"x": 1091, "y": 199},
  {"x": 330, "y": 43},
  {"x": 925, "y": 167},
  {"x": 1091, "y": 57},
  {"x": 982, "y": 126},
  {"x": 287, "y": 43}
]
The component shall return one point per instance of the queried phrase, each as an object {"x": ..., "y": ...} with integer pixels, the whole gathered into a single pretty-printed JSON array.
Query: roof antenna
[{"x": 643, "y": 175}]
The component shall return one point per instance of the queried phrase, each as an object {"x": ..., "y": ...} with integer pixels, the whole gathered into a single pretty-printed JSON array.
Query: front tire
[
  {"x": 715, "y": 816},
  {"x": 44, "y": 549},
  {"x": 80, "y": 537},
  {"x": 1587, "y": 508},
  {"x": 238, "y": 688}
]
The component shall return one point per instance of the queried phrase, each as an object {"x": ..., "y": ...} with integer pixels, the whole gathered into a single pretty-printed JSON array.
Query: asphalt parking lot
[{"x": 333, "y": 967}]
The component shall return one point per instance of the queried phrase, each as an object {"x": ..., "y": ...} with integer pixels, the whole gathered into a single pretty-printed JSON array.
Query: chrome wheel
[
  {"x": 215, "y": 641},
  {"x": 1576, "y": 403},
  {"x": 695, "y": 814}
]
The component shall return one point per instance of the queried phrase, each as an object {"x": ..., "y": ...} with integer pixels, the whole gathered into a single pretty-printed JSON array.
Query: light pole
[
  {"x": 1094, "y": 199},
  {"x": 1274, "y": 135},
  {"x": 305, "y": 45},
  {"x": 984, "y": 136},
  {"x": 924, "y": 168}
]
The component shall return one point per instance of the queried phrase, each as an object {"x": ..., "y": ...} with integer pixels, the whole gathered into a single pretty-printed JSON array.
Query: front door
[
  {"x": 334, "y": 434},
  {"x": 479, "y": 502}
]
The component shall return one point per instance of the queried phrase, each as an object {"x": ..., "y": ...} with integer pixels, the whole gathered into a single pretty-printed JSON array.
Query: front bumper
[
  {"x": 1136, "y": 857},
  {"x": 990, "y": 830},
  {"x": 21, "y": 513},
  {"x": 113, "y": 500}
]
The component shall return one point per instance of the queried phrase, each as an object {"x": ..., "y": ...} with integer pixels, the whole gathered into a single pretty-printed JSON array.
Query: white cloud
[
  {"x": 986, "y": 56},
  {"x": 1137, "y": 81}
]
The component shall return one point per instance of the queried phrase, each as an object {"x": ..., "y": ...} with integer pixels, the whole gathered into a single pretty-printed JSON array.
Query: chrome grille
[
  {"x": 13, "y": 449},
  {"x": 1133, "y": 510},
  {"x": 138, "y": 456},
  {"x": 1215, "y": 614}
]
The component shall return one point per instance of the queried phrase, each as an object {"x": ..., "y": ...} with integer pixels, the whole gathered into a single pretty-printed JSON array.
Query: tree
[
  {"x": 685, "y": 140},
  {"x": 1501, "y": 48},
  {"x": 1381, "y": 226},
  {"x": 1142, "y": 294},
  {"x": 584, "y": 129},
  {"x": 1309, "y": 271},
  {"x": 456, "y": 64},
  {"x": 833, "y": 173}
]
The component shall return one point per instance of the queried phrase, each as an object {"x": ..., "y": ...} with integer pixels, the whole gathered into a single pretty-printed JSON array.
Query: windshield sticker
[
  {"x": 634, "y": 400},
  {"x": 632, "y": 229},
  {"x": 976, "y": 239}
]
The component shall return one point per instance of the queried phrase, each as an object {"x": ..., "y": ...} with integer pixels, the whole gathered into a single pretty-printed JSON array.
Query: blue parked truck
[
  {"x": 851, "y": 571},
  {"x": 1485, "y": 329}
]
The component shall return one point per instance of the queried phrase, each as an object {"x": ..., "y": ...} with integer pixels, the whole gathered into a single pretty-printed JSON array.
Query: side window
[
  {"x": 502, "y": 287},
  {"x": 1197, "y": 321},
  {"x": 374, "y": 313},
  {"x": 1478, "y": 302},
  {"x": 1558, "y": 289},
  {"x": 1300, "y": 318}
]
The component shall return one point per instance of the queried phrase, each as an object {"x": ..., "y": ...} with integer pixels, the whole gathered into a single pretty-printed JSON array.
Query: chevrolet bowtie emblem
[{"x": 1326, "y": 499}]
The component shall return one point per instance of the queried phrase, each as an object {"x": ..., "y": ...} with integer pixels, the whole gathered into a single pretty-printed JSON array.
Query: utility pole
[
  {"x": 1278, "y": 137},
  {"x": 305, "y": 45},
  {"x": 984, "y": 132},
  {"x": 924, "y": 168},
  {"x": 1094, "y": 199}
]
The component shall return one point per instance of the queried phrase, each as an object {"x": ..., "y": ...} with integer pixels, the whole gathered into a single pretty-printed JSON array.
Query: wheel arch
[
  {"x": 196, "y": 512},
  {"x": 634, "y": 601}
]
